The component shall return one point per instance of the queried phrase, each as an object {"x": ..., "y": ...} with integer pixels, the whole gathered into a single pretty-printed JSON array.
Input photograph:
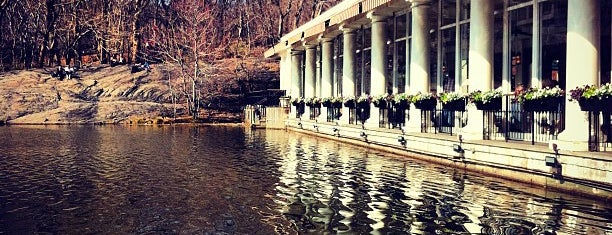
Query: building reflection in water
[{"x": 330, "y": 187}]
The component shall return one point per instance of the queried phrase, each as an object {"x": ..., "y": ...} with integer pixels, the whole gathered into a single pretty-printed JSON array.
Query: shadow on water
[{"x": 228, "y": 180}]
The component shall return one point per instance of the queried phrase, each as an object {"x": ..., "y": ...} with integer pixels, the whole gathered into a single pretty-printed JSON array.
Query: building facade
[{"x": 373, "y": 47}]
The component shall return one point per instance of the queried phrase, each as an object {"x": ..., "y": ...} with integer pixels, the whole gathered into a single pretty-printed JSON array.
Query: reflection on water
[{"x": 166, "y": 180}]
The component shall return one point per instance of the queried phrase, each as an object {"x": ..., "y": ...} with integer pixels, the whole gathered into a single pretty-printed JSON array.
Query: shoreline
[
  {"x": 124, "y": 124},
  {"x": 522, "y": 165}
]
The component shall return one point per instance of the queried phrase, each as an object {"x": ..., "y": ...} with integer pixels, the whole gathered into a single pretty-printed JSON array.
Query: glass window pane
[
  {"x": 464, "y": 44},
  {"x": 367, "y": 66},
  {"x": 448, "y": 60},
  {"x": 464, "y": 9},
  {"x": 553, "y": 35},
  {"x": 449, "y": 11},
  {"x": 337, "y": 83},
  {"x": 367, "y": 38},
  {"x": 606, "y": 41},
  {"x": 400, "y": 26},
  {"x": 521, "y": 38},
  {"x": 433, "y": 65},
  {"x": 498, "y": 44},
  {"x": 389, "y": 67},
  {"x": 400, "y": 72}
]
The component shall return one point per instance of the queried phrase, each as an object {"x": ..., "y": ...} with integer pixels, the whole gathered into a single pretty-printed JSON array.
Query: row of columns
[{"x": 582, "y": 49}]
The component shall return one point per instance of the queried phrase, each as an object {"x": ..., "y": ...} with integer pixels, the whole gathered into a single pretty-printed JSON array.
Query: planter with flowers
[
  {"x": 453, "y": 101},
  {"x": 349, "y": 101},
  {"x": 401, "y": 101},
  {"x": 424, "y": 101},
  {"x": 542, "y": 99},
  {"x": 382, "y": 101},
  {"x": 313, "y": 102},
  {"x": 363, "y": 101},
  {"x": 336, "y": 102},
  {"x": 487, "y": 100},
  {"x": 593, "y": 98},
  {"x": 327, "y": 102},
  {"x": 298, "y": 101}
]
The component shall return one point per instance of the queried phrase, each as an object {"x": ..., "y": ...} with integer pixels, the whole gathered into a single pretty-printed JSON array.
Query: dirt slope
[{"x": 102, "y": 95}]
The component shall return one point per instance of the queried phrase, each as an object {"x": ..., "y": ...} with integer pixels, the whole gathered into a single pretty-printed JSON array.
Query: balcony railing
[
  {"x": 315, "y": 111},
  {"x": 600, "y": 131},
  {"x": 333, "y": 114},
  {"x": 359, "y": 115},
  {"x": 514, "y": 122},
  {"x": 391, "y": 117},
  {"x": 442, "y": 121}
]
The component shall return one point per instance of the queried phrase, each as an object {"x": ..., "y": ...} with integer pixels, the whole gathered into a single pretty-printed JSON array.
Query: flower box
[
  {"x": 492, "y": 105},
  {"x": 426, "y": 104},
  {"x": 402, "y": 104},
  {"x": 455, "y": 105},
  {"x": 542, "y": 105}
]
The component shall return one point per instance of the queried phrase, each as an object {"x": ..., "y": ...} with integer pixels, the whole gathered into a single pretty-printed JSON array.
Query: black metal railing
[
  {"x": 359, "y": 115},
  {"x": 315, "y": 111},
  {"x": 299, "y": 110},
  {"x": 333, "y": 113},
  {"x": 600, "y": 131},
  {"x": 391, "y": 117},
  {"x": 428, "y": 121},
  {"x": 383, "y": 116},
  {"x": 397, "y": 117},
  {"x": 448, "y": 121},
  {"x": 515, "y": 122},
  {"x": 442, "y": 121}
]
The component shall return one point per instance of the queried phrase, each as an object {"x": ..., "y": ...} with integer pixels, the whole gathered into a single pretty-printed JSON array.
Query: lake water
[{"x": 229, "y": 180}]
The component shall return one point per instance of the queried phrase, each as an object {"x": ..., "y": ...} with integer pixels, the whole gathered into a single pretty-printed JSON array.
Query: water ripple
[{"x": 227, "y": 180}]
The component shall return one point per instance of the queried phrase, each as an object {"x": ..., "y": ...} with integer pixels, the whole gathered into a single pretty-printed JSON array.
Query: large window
[
  {"x": 450, "y": 41},
  {"x": 362, "y": 57},
  {"x": 433, "y": 45},
  {"x": 338, "y": 57},
  {"x": 521, "y": 43},
  {"x": 399, "y": 75},
  {"x": 498, "y": 44},
  {"x": 358, "y": 62},
  {"x": 448, "y": 59},
  {"x": 553, "y": 38},
  {"x": 389, "y": 56},
  {"x": 606, "y": 41}
]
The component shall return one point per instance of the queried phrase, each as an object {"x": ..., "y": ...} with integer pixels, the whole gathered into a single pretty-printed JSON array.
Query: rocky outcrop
[{"x": 101, "y": 95}]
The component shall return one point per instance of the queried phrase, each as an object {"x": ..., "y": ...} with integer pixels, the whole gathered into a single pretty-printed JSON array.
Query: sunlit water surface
[{"x": 228, "y": 180}]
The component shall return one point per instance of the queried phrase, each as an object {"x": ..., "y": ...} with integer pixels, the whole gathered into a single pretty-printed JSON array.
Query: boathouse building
[{"x": 375, "y": 47}]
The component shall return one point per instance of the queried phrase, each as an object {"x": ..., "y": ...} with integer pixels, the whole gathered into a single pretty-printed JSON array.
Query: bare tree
[{"x": 191, "y": 43}]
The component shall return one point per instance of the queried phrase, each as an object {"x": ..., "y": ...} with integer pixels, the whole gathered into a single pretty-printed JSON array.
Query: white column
[
  {"x": 327, "y": 60},
  {"x": 348, "y": 69},
  {"x": 419, "y": 48},
  {"x": 296, "y": 83},
  {"x": 378, "y": 78},
  {"x": 480, "y": 61},
  {"x": 582, "y": 68},
  {"x": 285, "y": 72},
  {"x": 310, "y": 74},
  {"x": 419, "y": 58},
  {"x": 310, "y": 71}
]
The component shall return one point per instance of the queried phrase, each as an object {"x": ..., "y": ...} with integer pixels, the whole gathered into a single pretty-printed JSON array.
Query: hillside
[{"x": 102, "y": 94}]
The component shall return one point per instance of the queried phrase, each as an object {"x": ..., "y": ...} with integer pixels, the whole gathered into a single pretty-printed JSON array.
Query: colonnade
[{"x": 582, "y": 63}]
